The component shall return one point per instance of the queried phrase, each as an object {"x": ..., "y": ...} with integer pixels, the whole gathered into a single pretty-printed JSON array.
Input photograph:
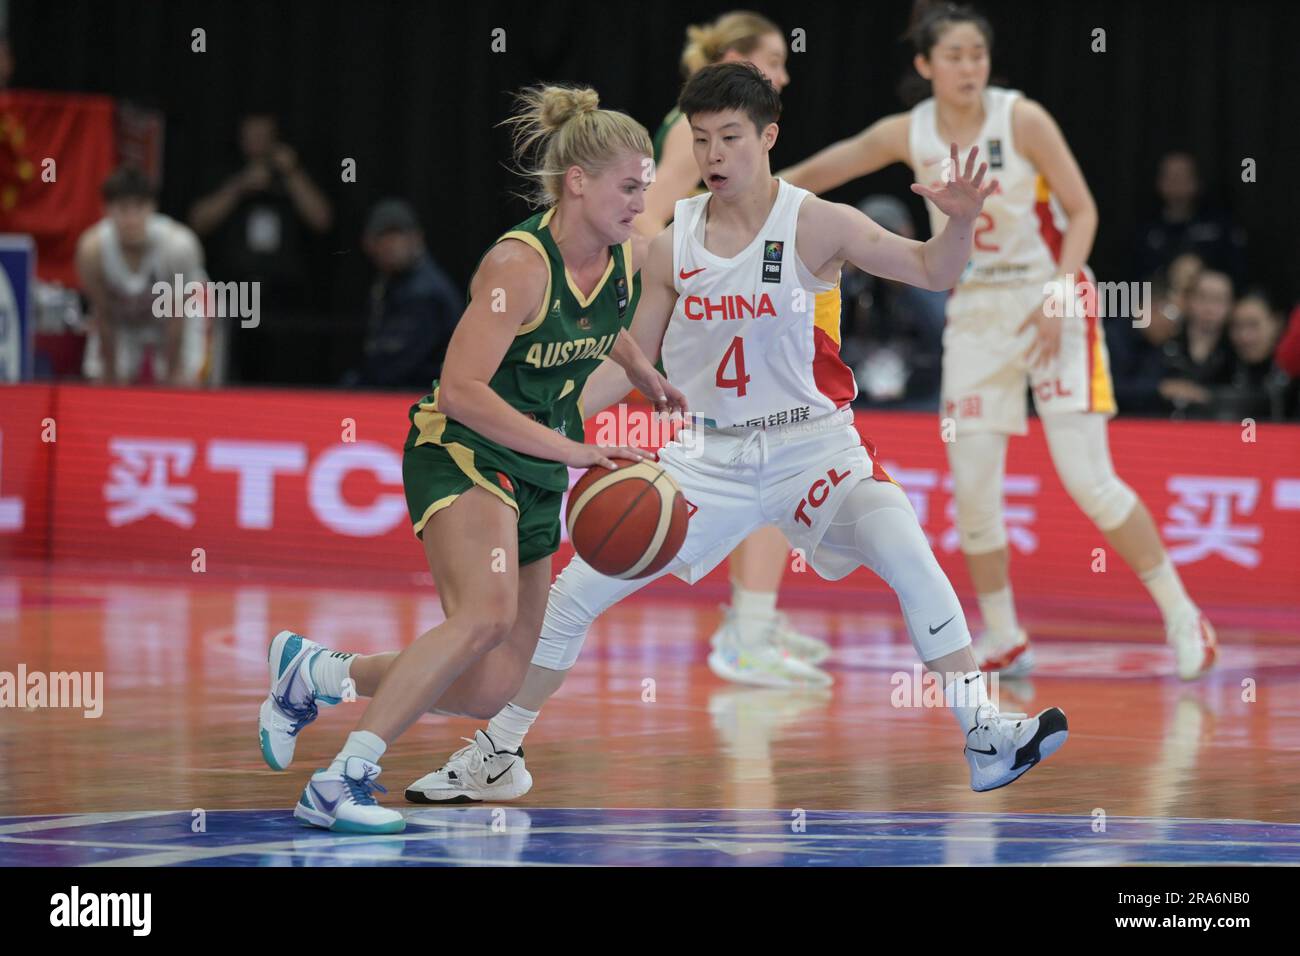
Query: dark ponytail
[{"x": 929, "y": 20}]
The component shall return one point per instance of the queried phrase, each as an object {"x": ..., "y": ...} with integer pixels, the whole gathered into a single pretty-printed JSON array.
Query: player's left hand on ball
[
  {"x": 963, "y": 193},
  {"x": 587, "y": 456},
  {"x": 665, "y": 396},
  {"x": 1047, "y": 335}
]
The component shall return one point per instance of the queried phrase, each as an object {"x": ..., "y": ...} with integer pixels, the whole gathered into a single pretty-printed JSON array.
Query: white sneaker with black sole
[
  {"x": 1001, "y": 748},
  {"x": 478, "y": 773}
]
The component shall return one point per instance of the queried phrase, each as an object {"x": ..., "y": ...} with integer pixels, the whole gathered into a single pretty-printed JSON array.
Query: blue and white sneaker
[
  {"x": 345, "y": 802},
  {"x": 291, "y": 704}
]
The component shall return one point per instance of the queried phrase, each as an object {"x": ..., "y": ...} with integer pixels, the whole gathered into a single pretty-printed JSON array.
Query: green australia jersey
[
  {"x": 544, "y": 369},
  {"x": 662, "y": 134}
]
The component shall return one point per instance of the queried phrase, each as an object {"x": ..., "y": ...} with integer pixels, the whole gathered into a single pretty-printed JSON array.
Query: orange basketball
[{"x": 627, "y": 523}]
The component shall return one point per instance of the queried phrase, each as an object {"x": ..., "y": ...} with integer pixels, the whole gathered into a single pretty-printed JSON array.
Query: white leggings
[
  {"x": 875, "y": 527},
  {"x": 1080, "y": 453}
]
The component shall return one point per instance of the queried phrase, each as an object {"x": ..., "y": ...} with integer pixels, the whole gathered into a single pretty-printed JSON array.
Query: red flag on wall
[{"x": 54, "y": 203}]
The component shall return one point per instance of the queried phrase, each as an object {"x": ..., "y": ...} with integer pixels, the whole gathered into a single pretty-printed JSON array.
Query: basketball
[{"x": 627, "y": 523}]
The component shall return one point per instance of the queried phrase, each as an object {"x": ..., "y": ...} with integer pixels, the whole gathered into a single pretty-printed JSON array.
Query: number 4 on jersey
[{"x": 736, "y": 348}]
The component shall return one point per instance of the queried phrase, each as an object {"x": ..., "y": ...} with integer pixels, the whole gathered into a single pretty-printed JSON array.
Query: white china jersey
[
  {"x": 754, "y": 339},
  {"x": 1018, "y": 233}
]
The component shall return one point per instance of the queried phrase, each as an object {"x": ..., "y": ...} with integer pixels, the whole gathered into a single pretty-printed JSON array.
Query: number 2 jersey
[
  {"x": 1018, "y": 235},
  {"x": 754, "y": 339}
]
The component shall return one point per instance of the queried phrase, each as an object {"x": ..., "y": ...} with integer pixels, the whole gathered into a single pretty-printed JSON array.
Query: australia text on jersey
[{"x": 546, "y": 355}]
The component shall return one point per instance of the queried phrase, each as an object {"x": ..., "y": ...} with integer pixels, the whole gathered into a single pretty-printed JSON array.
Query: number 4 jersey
[{"x": 754, "y": 340}]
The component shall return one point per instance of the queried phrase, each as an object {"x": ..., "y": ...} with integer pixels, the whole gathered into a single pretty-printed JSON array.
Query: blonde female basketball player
[
  {"x": 484, "y": 462},
  {"x": 752, "y": 630},
  {"x": 1005, "y": 328},
  {"x": 742, "y": 293}
]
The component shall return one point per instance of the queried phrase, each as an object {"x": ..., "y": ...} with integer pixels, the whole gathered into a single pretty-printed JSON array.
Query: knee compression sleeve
[
  {"x": 877, "y": 525},
  {"x": 579, "y": 595}
]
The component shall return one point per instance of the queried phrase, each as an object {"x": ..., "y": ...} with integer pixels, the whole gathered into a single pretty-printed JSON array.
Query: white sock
[
  {"x": 1166, "y": 589},
  {"x": 329, "y": 669},
  {"x": 508, "y": 727},
  {"x": 999, "y": 612},
  {"x": 757, "y": 607},
  {"x": 361, "y": 743},
  {"x": 965, "y": 694}
]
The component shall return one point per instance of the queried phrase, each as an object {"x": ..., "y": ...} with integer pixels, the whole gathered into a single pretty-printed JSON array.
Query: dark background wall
[{"x": 412, "y": 91}]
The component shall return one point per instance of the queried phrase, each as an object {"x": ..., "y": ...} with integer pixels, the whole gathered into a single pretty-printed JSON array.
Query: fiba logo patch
[
  {"x": 772, "y": 251},
  {"x": 584, "y": 322},
  {"x": 995, "y": 153},
  {"x": 620, "y": 288}
]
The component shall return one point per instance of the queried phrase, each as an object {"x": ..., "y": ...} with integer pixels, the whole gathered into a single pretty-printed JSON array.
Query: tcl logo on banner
[{"x": 313, "y": 479}]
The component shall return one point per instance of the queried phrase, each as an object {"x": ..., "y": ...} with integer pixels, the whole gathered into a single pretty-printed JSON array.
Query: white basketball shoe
[
  {"x": 759, "y": 660},
  {"x": 1000, "y": 748},
  {"x": 345, "y": 802},
  {"x": 478, "y": 773},
  {"x": 291, "y": 704},
  {"x": 1195, "y": 644},
  {"x": 1008, "y": 654}
]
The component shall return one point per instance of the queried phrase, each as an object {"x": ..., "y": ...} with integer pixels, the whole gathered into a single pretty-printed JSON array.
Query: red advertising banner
[
  {"x": 26, "y": 469},
  {"x": 312, "y": 480}
]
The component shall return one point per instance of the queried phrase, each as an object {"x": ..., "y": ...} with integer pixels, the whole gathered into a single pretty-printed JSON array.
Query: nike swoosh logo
[
  {"x": 683, "y": 274},
  {"x": 492, "y": 779},
  {"x": 936, "y": 630},
  {"x": 326, "y": 805},
  {"x": 991, "y": 752}
]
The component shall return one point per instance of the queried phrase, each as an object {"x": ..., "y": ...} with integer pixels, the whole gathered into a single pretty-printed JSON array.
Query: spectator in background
[
  {"x": 1198, "y": 359},
  {"x": 1180, "y": 276},
  {"x": 1258, "y": 389},
  {"x": 118, "y": 261},
  {"x": 1288, "y": 349},
  {"x": 414, "y": 306},
  {"x": 1137, "y": 352},
  {"x": 892, "y": 332},
  {"x": 1183, "y": 225},
  {"x": 256, "y": 225}
]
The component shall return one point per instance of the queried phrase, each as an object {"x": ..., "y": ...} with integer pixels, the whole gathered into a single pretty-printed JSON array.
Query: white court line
[{"x": 82, "y": 820}]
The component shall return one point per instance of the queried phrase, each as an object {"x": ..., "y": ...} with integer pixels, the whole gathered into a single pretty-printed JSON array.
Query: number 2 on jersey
[{"x": 736, "y": 348}]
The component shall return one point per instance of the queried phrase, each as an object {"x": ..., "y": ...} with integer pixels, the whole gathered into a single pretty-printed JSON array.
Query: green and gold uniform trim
[{"x": 431, "y": 424}]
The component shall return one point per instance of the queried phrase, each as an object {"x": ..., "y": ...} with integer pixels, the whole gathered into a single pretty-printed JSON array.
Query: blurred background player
[
  {"x": 751, "y": 626},
  {"x": 1035, "y": 231},
  {"x": 484, "y": 462},
  {"x": 118, "y": 261}
]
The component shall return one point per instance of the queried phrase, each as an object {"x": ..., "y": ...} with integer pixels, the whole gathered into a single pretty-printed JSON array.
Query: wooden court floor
[{"x": 704, "y": 773}]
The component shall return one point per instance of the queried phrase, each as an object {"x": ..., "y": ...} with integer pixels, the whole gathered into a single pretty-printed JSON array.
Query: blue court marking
[{"x": 514, "y": 836}]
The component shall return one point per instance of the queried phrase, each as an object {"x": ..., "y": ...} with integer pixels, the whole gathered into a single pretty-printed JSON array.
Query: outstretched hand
[{"x": 962, "y": 195}]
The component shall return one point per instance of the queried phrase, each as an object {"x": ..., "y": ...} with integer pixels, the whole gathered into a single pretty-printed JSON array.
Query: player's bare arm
[
  {"x": 832, "y": 233},
  {"x": 611, "y": 381},
  {"x": 511, "y": 272},
  {"x": 92, "y": 283},
  {"x": 675, "y": 176},
  {"x": 879, "y": 145},
  {"x": 1043, "y": 144}
]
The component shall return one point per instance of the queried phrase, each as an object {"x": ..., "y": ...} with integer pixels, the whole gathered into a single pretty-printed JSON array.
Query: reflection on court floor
[
  {"x": 1155, "y": 770},
  {"x": 460, "y": 836}
]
